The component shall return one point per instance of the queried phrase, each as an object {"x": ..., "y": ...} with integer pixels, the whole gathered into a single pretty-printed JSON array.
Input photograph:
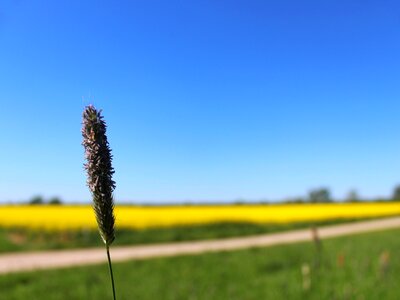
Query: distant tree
[
  {"x": 352, "y": 196},
  {"x": 55, "y": 201},
  {"x": 396, "y": 193},
  {"x": 296, "y": 200},
  {"x": 36, "y": 200},
  {"x": 239, "y": 201},
  {"x": 321, "y": 195}
]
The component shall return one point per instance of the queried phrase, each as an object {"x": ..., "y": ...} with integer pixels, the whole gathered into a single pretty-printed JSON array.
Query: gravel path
[{"x": 28, "y": 261}]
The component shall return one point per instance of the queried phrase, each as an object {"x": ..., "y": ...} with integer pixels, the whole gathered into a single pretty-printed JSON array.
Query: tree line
[
  {"x": 38, "y": 200},
  {"x": 324, "y": 195},
  {"x": 319, "y": 195}
]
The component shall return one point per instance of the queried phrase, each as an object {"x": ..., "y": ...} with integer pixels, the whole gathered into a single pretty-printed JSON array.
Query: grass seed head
[{"x": 99, "y": 171}]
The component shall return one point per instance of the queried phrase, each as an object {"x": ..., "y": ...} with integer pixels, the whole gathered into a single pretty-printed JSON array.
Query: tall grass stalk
[{"x": 99, "y": 177}]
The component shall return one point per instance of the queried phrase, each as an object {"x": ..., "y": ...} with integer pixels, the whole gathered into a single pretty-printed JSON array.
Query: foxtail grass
[{"x": 99, "y": 177}]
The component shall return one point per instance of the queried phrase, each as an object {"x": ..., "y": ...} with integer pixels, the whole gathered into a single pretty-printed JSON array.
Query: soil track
[{"x": 29, "y": 261}]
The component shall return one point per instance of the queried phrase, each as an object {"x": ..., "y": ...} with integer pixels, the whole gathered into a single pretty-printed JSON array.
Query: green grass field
[
  {"x": 12, "y": 239},
  {"x": 349, "y": 268}
]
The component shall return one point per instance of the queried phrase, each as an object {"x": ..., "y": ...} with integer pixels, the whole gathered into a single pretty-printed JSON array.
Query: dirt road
[{"x": 67, "y": 258}]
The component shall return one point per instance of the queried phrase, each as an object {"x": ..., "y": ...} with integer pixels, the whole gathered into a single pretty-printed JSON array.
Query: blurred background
[{"x": 225, "y": 119}]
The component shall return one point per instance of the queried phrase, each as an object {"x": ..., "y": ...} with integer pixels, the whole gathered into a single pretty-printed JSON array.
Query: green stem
[{"x": 111, "y": 271}]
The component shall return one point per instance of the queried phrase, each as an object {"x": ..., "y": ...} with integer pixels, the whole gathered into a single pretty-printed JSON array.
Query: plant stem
[{"x": 111, "y": 271}]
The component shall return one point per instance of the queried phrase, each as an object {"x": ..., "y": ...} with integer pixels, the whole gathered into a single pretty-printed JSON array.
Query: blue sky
[{"x": 205, "y": 100}]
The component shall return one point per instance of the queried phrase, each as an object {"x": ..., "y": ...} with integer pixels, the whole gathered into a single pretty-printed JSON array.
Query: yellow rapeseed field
[{"x": 81, "y": 217}]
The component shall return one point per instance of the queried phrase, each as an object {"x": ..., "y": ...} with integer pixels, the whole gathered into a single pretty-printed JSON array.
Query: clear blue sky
[{"x": 205, "y": 100}]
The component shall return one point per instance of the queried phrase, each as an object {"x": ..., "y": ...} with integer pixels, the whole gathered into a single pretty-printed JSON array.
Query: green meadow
[
  {"x": 20, "y": 239},
  {"x": 364, "y": 266}
]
